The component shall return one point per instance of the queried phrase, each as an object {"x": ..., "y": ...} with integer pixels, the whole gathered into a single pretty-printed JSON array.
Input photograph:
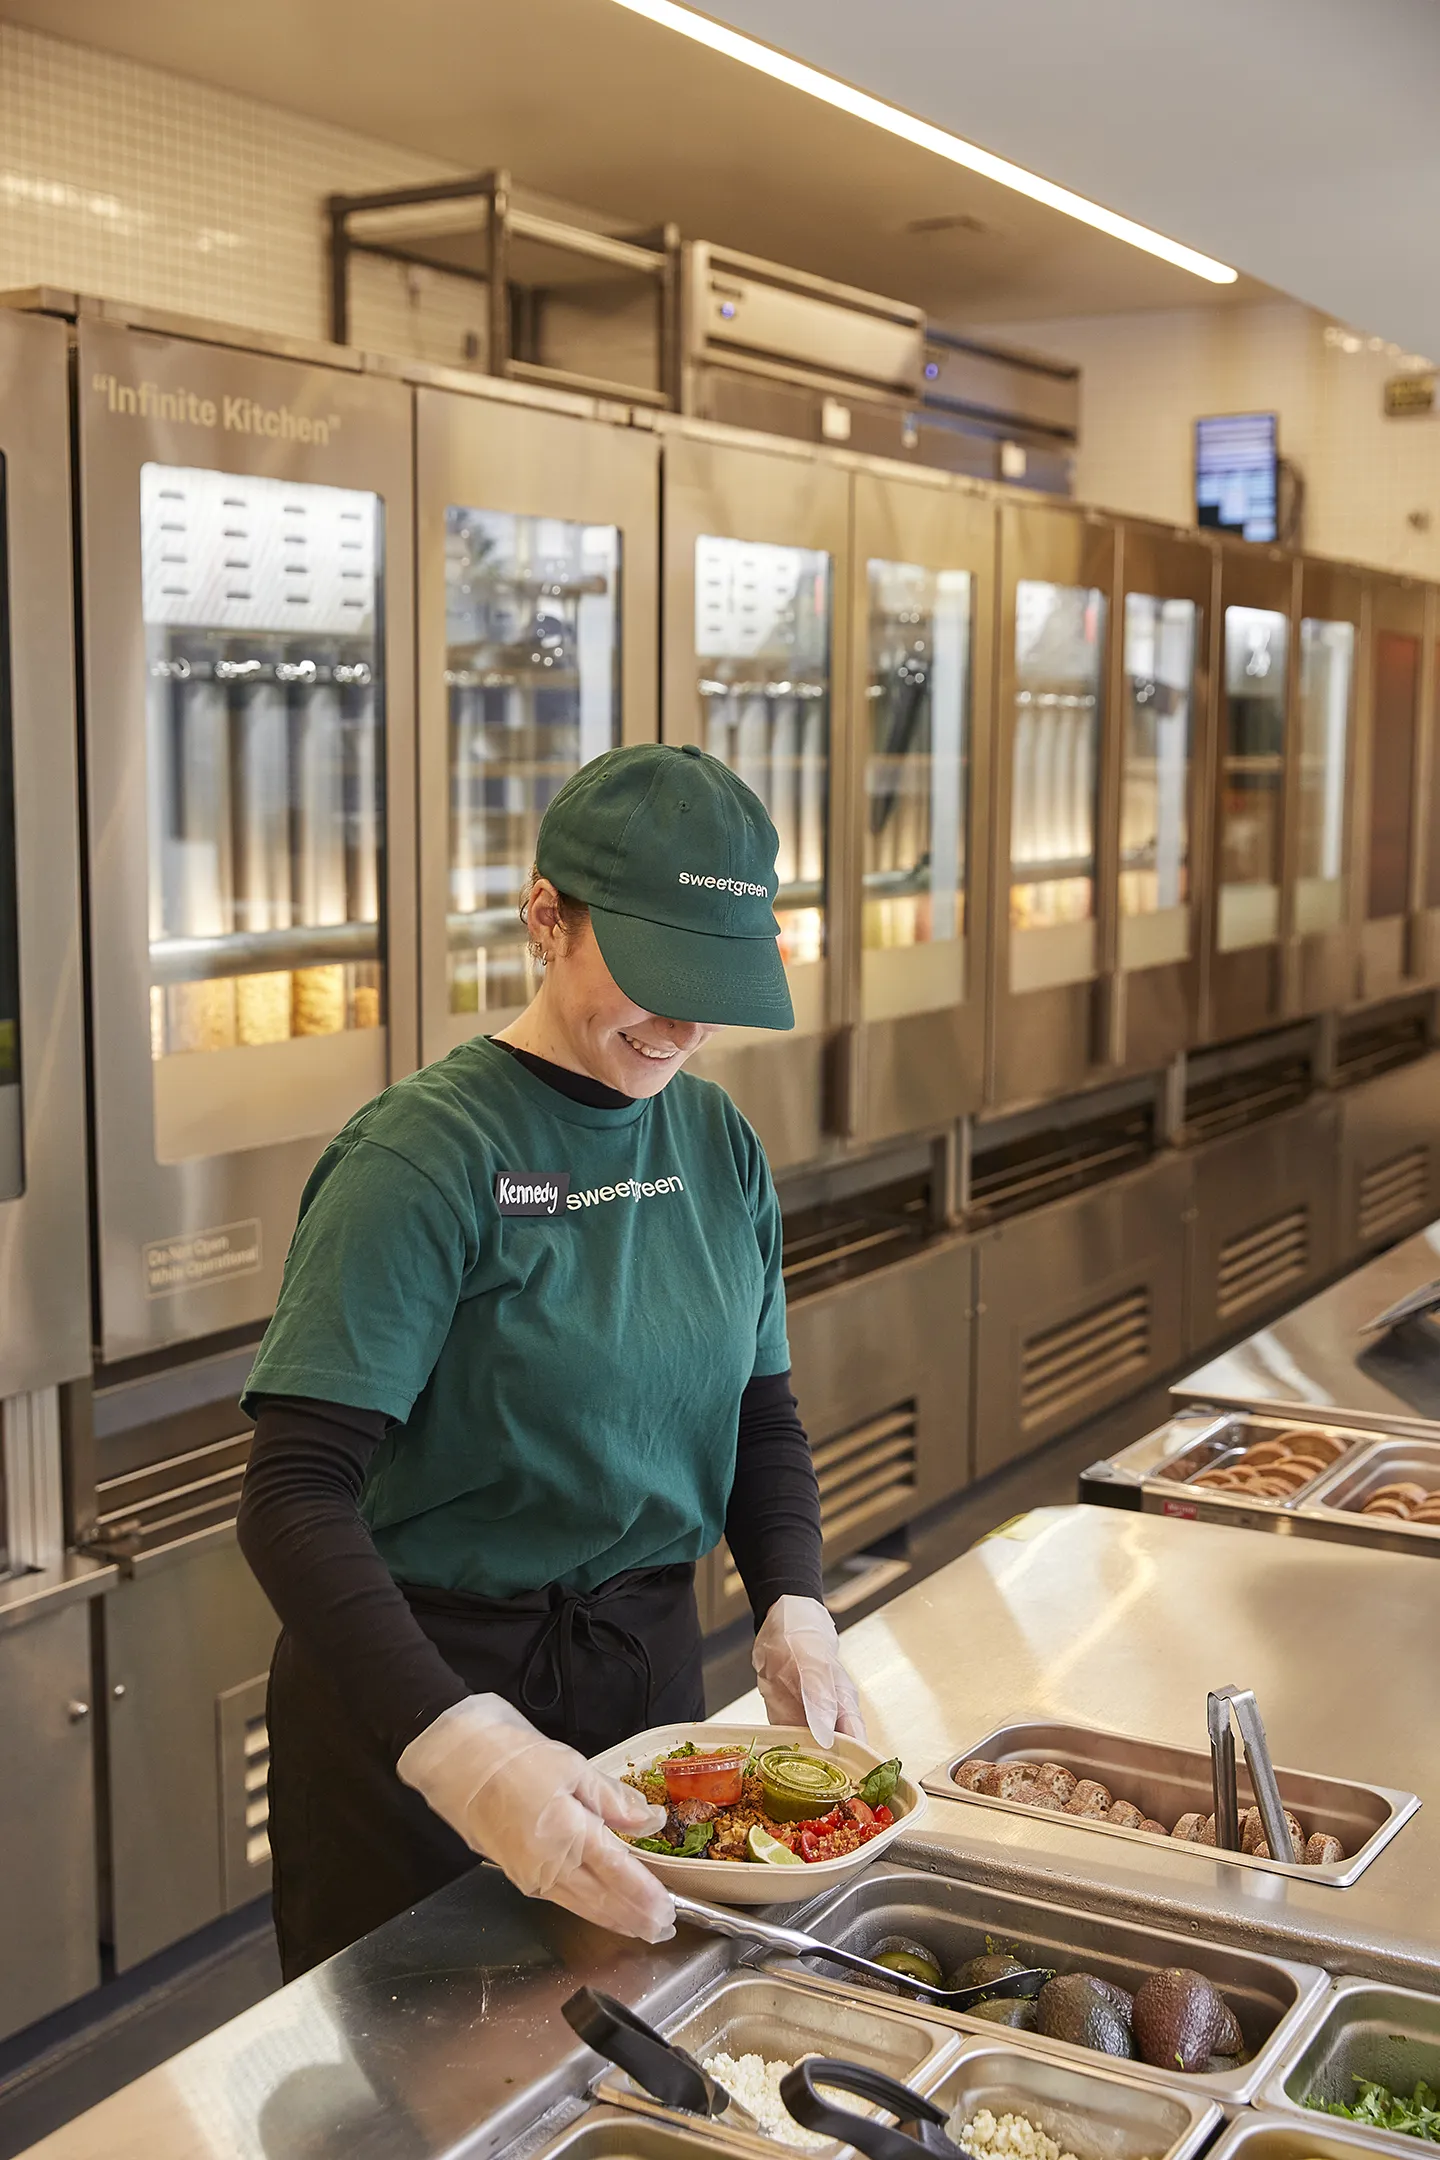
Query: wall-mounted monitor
[{"x": 1237, "y": 463}]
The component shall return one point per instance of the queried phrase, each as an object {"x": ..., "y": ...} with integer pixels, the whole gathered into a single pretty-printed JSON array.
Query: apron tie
[{"x": 572, "y": 1622}]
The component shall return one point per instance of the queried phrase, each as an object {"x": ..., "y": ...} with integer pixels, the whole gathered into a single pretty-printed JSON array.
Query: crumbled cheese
[
  {"x": 755, "y": 2083},
  {"x": 1008, "y": 2137}
]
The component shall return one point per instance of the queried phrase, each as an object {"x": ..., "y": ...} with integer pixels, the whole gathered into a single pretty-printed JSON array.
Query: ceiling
[
  {"x": 586, "y": 101},
  {"x": 1295, "y": 139}
]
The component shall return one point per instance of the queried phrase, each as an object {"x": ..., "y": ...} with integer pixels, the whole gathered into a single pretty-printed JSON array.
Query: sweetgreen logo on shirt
[{"x": 627, "y": 1189}]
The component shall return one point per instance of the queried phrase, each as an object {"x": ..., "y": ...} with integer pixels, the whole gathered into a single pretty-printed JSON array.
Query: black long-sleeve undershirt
[{"x": 301, "y": 1529}]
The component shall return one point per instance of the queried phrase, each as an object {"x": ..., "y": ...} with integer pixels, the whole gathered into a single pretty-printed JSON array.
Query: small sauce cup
[{"x": 718, "y": 1777}]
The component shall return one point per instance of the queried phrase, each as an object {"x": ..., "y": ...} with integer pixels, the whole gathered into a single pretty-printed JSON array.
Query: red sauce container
[{"x": 718, "y": 1777}]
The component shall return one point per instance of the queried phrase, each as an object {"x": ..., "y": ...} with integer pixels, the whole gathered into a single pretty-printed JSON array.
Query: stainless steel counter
[
  {"x": 439, "y": 2036},
  {"x": 1316, "y": 1358}
]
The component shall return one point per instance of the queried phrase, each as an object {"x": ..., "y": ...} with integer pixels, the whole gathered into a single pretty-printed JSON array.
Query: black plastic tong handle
[
  {"x": 665, "y": 2071},
  {"x": 877, "y": 2140}
]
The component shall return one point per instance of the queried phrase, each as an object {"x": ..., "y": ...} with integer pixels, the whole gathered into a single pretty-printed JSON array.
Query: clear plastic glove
[
  {"x": 801, "y": 1679},
  {"x": 542, "y": 1814}
]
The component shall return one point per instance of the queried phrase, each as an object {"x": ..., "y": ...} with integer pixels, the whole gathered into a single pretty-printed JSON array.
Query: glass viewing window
[
  {"x": 916, "y": 769},
  {"x": 1059, "y": 643},
  {"x": 265, "y": 760},
  {"x": 1327, "y": 663},
  {"x": 12, "y": 1151},
  {"x": 1252, "y": 778},
  {"x": 1160, "y": 640},
  {"x": 532, "y": 671},
  {"x": 762, "y": 643}
]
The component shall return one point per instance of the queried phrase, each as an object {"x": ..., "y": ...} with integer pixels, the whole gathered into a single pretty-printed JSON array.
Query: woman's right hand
[{"x": 542, "y": 1814}]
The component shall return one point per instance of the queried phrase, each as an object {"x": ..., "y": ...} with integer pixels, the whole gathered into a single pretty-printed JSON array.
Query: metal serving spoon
[{"x": 718, "y": 1921}]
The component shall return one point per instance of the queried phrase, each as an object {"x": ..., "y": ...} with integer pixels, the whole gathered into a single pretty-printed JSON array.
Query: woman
[{"x": 528, "y": 1362}]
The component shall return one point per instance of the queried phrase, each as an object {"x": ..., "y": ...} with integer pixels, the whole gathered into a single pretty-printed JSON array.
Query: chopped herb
[{"x": 1380, "y": 2109}]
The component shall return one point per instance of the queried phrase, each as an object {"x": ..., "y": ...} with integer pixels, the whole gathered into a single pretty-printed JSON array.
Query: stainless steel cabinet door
[
  {"x": 247, "y": 593},
  {"x": 538, "y": 534},
  {"x": 44, "y": 1270},
  {"x": 48, "y": 1860},
  {"x": 922, "y": 613},
  {"x": 180, "y": 1639},
  {"x": 754, "y": 671},
  {"x": 1264, "y": 1220}
]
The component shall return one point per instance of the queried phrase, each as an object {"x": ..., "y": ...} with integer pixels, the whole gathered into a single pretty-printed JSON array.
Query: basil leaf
[
  {"x": 876, "y": 1788},
  {"x": 697, "y": 1837}
]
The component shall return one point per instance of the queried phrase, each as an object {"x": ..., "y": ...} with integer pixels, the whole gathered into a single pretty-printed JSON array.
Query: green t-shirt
[{"x": 566, "y": 1383}]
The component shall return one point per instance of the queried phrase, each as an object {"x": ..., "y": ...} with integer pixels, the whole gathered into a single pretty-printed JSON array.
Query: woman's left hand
[{"x": 798, "y": 1668}]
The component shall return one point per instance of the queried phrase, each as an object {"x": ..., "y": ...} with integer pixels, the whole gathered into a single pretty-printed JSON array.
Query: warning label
[{"x": 204, "y": 1256}]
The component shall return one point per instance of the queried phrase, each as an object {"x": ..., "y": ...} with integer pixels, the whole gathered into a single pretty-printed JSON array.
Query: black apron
[{"x": 351, "y": 1845}]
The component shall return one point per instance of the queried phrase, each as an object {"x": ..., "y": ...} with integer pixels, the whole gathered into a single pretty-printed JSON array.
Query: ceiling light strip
[{"x": 861, "y": 106}]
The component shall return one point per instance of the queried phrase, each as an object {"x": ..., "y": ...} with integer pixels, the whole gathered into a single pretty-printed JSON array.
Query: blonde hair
[{"x": 572, "y": 915}]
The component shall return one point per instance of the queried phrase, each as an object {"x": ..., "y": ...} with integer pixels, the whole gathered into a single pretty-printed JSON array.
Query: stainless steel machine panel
[
  {"x": 1057, "y": 579},
  {"x": 1393, "y": 824},
  {"x": 1255, "y": 667},
  {"x": 922, "y": 611},
  {"x": 538, "y": 533},
  {"x": 1389, "y": 1157},
  {"x": 47, "y": 1815},
  {"x": 1166, "y": 1783},
  {"x": 1389, "y": 2034},
  {"x": 1152, "y": 913},
  {"x": 960, "y": 1920},
  {"x": 44, "y": 1296},
  {"x": 1078, "y": 1305},
  {"x": 180, "y": 1636},
  {"x": 1262, "y": 1222},
  {"x": 755, "y": 543},
  {"x": 247, "y": 625},
  {"x": 1321, "y": 942},
  {"x": 882, "y": 1376}
]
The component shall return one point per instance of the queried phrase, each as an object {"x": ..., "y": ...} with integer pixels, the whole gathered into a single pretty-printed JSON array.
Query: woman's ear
[{"x": 542, "y": 920}]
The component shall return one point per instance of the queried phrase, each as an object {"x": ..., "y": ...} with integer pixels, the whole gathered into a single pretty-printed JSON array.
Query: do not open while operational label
[{"x": 201, "y": 1257}]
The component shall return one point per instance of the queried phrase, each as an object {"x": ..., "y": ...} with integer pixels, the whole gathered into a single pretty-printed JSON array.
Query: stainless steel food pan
[
  {"x": 1097, "y": 2113},
  {"x": 1167, "y": 1782},
  {"x": 1362, "y": 2030},
  {"x": 1259, "y": 2135},
  {"x": 754, "y": 2014},
  {"x": 958, "y": 1920},
  {"x": 616, "y": 2134},
  {"x": 1339, "y": 1499},
  {"x": 1166, "y": 1463}
]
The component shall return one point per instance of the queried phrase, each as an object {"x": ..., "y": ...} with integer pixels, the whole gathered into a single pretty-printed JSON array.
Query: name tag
[{"x": 531, "y": 1192}]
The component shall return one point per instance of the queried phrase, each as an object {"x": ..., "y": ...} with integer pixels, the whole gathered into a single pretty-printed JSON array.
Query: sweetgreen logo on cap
[{"x": 675, "y": 858}]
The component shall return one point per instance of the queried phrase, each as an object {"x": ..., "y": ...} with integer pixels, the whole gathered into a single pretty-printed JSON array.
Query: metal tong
[
  {"x": 670, "y": 2074},
  {"x": 919, "y": 2126},
  {"x": 1218, "y": 1709},
  {"x": 742, "y": 1928}
]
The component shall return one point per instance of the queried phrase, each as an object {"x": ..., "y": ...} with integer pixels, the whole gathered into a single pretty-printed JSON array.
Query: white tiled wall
[
  {"x": 1148, "y": 376},
  {"x": 119, "y": 180}
]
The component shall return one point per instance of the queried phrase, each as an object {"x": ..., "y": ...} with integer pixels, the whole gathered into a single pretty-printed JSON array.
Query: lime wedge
[{"x": 764, "y": 1847}]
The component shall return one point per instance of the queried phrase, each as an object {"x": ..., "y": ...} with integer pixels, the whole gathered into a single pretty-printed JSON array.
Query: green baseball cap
[{"x": 675, "y": 858}]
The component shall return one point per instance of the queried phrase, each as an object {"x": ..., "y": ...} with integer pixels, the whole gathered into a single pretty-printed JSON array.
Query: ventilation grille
[
  {"x": 167, "y": 1501},
  {"x": 868, "y": 1479},
  {"x": 1394, "y": 1192},
  {"x": 1065, "y": 1368},
  {"x": 1258, "y": 1264},
  {"x": 244, "y": 1744}
]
